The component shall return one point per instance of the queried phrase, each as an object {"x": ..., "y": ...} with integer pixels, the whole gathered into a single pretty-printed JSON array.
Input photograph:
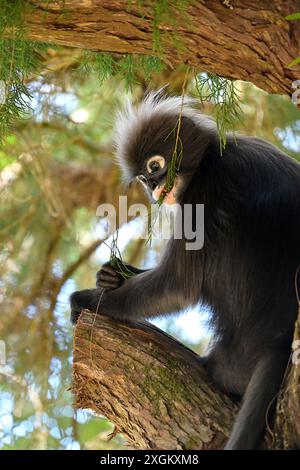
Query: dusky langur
[{"x": 246, "y": 269}]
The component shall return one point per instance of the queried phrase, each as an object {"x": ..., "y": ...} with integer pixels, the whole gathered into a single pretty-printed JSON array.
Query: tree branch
[
  {"x": 150, "y": 386},
  {"x": 249, "y": 40}
]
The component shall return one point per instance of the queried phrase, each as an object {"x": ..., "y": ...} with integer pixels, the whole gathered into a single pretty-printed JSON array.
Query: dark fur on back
[{"x": 251, "y": 252}]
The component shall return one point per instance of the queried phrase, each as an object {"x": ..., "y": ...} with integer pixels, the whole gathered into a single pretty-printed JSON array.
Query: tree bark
[
  {"x": 287, "y": 423},
  {"x": 247, "y": 40},
  {"x": 151, "y": 387}
]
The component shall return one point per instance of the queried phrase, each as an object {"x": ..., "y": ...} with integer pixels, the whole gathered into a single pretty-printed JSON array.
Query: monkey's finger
[
  {"x": 109, "y": 282},
  {"x": 108, "y": 286},
  {"x": 109, "y": 279},
  {"x": 104, "y": 275},
  {"x": 107, "y": 276},
  {"x": 109, "y": 269}
]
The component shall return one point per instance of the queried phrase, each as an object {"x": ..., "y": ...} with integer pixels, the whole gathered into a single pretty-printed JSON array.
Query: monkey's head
[{"x": 151, "y": 133}]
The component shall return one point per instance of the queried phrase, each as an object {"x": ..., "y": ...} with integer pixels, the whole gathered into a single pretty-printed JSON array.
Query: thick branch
[
  {"x": 150, "y": 386},
  {"x": 248, "y": 40}
]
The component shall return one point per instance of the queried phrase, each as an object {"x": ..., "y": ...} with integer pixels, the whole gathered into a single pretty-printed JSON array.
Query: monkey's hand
[
  {"x": 111, "y": 277},
  {"x": 104, "y": 298},
  {"x": 84, "y": 299}
]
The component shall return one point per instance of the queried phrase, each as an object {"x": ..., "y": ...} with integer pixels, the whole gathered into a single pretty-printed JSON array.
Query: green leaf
[
  {"x": 293, "y": 16},
  {"x": 294, "y": 62}
]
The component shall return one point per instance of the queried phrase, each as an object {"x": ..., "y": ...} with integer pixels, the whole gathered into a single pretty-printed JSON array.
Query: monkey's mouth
[{"x": 160, "y": 193}]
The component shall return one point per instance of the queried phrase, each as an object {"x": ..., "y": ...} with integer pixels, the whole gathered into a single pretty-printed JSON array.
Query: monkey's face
[
  {"x": 154, "y": 180},
  {"x": 148, "y": 157},
  {"x": 148, "y": 135}
]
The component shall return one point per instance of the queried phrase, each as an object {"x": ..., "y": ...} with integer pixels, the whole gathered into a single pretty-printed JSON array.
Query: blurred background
[{"x": 56, "y": 167}]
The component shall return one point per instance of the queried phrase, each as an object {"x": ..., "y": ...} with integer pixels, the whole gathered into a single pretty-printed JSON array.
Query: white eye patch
[{"x": 155, "y": 163}]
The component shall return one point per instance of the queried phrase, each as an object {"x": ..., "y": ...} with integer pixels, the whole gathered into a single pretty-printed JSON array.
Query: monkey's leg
[
  {"x": 261, "y": 391},
  {"x": 149, "y": 294}
]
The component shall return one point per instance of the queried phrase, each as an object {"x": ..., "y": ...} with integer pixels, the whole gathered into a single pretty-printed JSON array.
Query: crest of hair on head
[{"x": 155, "y": 103}]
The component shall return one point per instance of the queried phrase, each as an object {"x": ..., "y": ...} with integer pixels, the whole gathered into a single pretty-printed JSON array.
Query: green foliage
[
  {"x": 293, "y": 16},
  {"x": 174, "y": 165},
  {"x": 13, "y": 64},
  {"x": 11, "y": 13},
  {"x": 164, "y": 11},
  {"x": 128, "y": 67},
  {"x": 18, "y": 59},
  {"x": 116, "y": 258},
  {"x": 223, "y": 93},
  {"x": 294, "y": 62}
]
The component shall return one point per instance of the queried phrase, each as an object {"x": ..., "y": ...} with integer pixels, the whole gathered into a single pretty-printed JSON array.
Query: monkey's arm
[{"x": 148, "y": 294}]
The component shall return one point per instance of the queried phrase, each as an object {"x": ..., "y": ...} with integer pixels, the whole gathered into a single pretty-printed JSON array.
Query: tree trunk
[
  {"x": 287, "y": 424},
  {"x": 247, "y": 40},
  {"x": 151, "y": 387}
]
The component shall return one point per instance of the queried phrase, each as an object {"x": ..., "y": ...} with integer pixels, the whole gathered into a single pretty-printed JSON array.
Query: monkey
[{"x": 245, "y": 271}]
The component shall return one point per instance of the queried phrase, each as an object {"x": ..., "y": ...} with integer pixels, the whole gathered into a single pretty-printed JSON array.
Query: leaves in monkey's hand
[{"x": 116, "y": 259}]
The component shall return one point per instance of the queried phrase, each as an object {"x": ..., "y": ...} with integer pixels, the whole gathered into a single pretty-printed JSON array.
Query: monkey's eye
[{"x": 155, "y": 164}]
